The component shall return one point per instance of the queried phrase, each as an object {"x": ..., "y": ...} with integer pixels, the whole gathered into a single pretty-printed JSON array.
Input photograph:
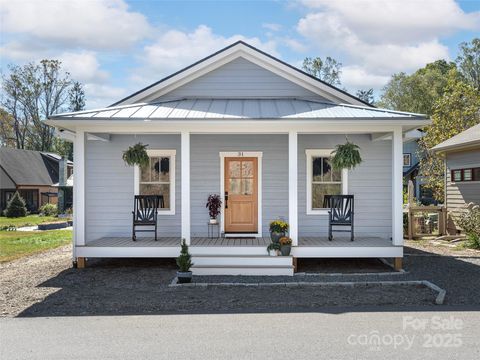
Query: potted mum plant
[
  {"x": 184, "y": 263},
  {"x": 273, "y": 249},
  {"x": 278, "y": 229},
  {"x": 214, "y": 203},
  {"x": 136, "y": 155},
  {"x": 285, "y": 245}
]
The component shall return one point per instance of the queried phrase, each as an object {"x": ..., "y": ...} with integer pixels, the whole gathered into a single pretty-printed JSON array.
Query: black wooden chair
[
  {"x": 144, "y": 213},
  {"x": 340, "y": 214}
]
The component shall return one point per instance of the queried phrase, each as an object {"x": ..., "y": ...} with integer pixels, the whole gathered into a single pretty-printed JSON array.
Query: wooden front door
[{"x": 241, "y": 195}]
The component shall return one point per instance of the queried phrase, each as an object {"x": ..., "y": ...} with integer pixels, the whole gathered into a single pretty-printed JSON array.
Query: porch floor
[{"x": 312, "y": 241}]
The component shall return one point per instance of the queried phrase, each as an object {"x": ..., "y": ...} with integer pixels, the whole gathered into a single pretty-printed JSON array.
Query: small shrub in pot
[{"x": 184, "y": 263}]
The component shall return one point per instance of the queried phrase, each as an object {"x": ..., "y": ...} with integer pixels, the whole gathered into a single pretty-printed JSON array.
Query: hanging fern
[
  {"x": 346, "y": 156},
  {"x": 136, "y": 155}
]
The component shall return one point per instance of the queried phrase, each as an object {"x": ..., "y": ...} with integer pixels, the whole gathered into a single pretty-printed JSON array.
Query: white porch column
[
  {"x": 79, "y": 189},
  {"x": 293, "y": 186},
  {"x": 185, "y": 176},
  {"x": 397, "y": 186}
]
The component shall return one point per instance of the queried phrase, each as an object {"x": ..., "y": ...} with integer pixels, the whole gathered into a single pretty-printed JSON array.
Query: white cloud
[
  {"x": 102, "y": 95},
  {"x": 272, "y": 26},
  {"x": 101, "y": 24},
  {"x": 399, "y": 21},
  {"x": 355, "y": 77},
  {"x": 84, "y": 67},
  {"x": 176, "y": 49},
  {"x": 381, "y": 38}
]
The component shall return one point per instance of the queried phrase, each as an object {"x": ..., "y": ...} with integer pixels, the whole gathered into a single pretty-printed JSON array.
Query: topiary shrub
[
  {"x": 49, "y": 210},
  {"x": 16, "y": 207}
]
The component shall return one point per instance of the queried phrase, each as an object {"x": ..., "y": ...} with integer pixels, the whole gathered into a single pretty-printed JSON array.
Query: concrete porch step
[
  {"x": 243, "y": 270},
  {"x": 240, "y": 260},
  {"x": 242, "y": 265}
]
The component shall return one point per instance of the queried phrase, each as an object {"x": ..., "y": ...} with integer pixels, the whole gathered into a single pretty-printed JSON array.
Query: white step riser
[
  {"x": 232, "y": 261},
  {"x": 229, "y": 251},
  {"x": 286, "y": 271}
]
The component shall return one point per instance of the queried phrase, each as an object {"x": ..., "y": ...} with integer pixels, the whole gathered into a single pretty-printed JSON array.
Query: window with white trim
[
  {"x": 158, "y": 178},
  {"x": 322, "y": 179}
]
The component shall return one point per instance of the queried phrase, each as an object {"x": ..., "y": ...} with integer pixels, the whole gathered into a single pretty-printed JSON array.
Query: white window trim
[
  {"x": 136, "y": 178},
  {"x": 322, "y": 153},
  {"x": 259, "y": 156}
]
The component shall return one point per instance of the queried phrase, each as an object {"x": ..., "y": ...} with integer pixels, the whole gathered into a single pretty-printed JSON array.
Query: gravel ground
[{"x": 46, "y": 285}]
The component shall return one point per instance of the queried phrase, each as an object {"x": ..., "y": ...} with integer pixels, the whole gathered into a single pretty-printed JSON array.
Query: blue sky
[{"x": 116, "y": 47}]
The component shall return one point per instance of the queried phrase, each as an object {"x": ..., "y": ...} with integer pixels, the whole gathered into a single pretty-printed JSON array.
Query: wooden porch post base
[
  {"x": 295, "y": 265},
  {"x": 81, "y": 263},
  {"x": 397, "y": 263}
]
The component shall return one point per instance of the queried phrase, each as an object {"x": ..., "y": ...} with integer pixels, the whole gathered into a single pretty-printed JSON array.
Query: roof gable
[
  {"x": 253, "y": 55},
  {"x": 27, "y": 167},
  {"x": 240, "y": 78}
]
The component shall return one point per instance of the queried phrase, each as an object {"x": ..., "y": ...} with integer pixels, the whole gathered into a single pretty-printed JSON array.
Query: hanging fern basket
[
  {"x": 346, "y": 156},
  {"x": 136, "y": 155}
]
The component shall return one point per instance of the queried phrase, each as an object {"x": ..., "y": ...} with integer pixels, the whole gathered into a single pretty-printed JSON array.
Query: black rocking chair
[
  {"x": 340, "y": 213},
  {"x": 144, "y": 213}
]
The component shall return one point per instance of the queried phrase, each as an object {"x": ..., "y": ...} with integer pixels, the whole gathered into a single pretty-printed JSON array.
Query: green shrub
[
  {"x": 16, "y": 207},
  {"x": 184, "y": 261},
  {"x": 469, "y": 221},
  {"x": 49, "y": 210}
]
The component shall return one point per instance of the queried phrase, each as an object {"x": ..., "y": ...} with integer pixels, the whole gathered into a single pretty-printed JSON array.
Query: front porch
[{"x": 312, "y": 246}]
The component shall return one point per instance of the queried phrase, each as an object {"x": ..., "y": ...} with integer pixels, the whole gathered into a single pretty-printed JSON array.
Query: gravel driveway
[{"x": 46, "y": 285}]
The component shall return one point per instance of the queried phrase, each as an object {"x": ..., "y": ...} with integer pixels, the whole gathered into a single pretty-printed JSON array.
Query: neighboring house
[
  {"x": 256, "y": 130},
  {"x": 33, "y": 174},
  {"x": 462, "y": 170},
  {"x": 411, "y": 166}
]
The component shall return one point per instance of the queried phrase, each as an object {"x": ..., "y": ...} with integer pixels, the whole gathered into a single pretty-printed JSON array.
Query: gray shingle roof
[
  {"x": 466, "y": 138},
  {"x": 237, "y": 109},
  {"x": 27, "y": 167}
]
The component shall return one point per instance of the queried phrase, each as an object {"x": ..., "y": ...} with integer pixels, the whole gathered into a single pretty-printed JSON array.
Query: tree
[
  {"x": 366, "y": 96},
  {"x": 76, "y": 97},
  {"x": 32, "y": 93},
  {"x": 468, "y": 62},
  {"x": 7, "y": 129},
  {"x": 327, "y": 70},
  {"x": 419, "y": 91},
  {"x": 456, "y": 111},
  {"x": 16, "y": 207}
]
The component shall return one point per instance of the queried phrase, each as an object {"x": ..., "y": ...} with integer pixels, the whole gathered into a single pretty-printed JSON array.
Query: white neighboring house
[{"x": 238, "y": 107}]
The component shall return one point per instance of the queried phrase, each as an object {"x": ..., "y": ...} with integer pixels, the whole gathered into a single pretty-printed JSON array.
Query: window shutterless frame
[
  {"x": 160, "y": 153},
  {"x": 465, "y": 175},
  {"x": 326, "y": 153}
]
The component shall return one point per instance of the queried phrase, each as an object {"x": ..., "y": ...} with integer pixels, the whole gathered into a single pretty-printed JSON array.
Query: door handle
[{"x": 226, "y": 199}]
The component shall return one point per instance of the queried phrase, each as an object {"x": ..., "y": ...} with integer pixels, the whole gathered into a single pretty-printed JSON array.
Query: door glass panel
[
  {"x": 235, "y": 186},
  {"x": 247, "y": 169},
  {"x": 247, "y": 186},
  {"x": 234, "y": 169}
]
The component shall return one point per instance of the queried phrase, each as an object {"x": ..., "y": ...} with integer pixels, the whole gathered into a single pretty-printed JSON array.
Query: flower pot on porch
[
  {"x": 213, "y": 221},
  {"x": 285, "y": 250},
  {"x": 275, "y": 236},
  {"x": 184, "y": 277},
  {"x": 273, "y": 252}
]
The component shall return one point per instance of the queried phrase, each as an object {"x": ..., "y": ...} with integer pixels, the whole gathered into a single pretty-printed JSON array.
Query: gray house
[
  {"x": 462, "y": 169},
  {"x": 257, "y": 131}
]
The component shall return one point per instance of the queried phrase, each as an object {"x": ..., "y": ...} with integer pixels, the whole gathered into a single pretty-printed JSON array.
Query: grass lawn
[
  {"x": 15, "y": 244},
  {"x": 29, "y": 220}
]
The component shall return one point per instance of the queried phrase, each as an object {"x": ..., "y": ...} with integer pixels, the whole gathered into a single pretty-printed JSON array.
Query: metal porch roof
[{"x": 190, "y": 109}]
